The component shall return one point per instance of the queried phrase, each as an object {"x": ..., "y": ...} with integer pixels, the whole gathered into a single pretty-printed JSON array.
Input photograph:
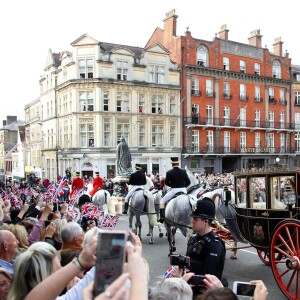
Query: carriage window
[
  {"x": 280, "y": 185},
  {"x": 241, "y": 195},
  {"x": 258, "y": 192}
]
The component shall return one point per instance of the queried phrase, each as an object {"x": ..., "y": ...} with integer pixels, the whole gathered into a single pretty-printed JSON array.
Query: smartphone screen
[
  {"x": 110, "y": 259},
  {"x": 245, "y": 289}
]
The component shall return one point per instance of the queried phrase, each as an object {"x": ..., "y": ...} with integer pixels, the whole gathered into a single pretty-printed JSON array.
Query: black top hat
[
  {"x": 84, "y": 198},
  {"x": 77, "y": 173},
  {"x": 174, "y": 160},
  {"x": 97, "y": 173},
  {"x": 205, "y": 209},
  {"x": 138, "y": 166}
]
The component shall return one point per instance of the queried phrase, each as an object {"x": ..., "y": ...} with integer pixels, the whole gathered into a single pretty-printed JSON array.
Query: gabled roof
[
  {"x": 109, "y": 47},
  {"x": 157, "y": 47},
  {"x": 14, "y": 126},
  {"x": 85, "y": 39}
]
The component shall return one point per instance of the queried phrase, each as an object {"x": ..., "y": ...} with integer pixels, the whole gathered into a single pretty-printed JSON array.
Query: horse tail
[{"x": 151, "y": 210}]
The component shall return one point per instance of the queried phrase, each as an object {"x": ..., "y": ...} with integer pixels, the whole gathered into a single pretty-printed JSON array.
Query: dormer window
[
  {"x": 157, "y": 74},
  {"x": 202, "y": 56},
  {"x": 298, "y": 77},
  {"x": 276, "y": 70},
  {"x": 86, "y": 68},
  {"x": 122, "y": 70}
]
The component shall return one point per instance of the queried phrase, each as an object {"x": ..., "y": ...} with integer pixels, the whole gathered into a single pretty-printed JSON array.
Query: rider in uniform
[
  {"x": 137, "y": 180},
  {"x": 178, "y": 180},
  {"x": 97, "y": 184},
  {"x": 205, "y": 248},
  {"x": 77, "y": 183}
]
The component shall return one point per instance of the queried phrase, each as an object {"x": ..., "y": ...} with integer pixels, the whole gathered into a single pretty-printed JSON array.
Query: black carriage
[{"x": 266, "y": 214}]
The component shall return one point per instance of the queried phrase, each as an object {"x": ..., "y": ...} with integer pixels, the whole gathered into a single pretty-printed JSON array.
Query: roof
[{"x": 14, "y": 126}]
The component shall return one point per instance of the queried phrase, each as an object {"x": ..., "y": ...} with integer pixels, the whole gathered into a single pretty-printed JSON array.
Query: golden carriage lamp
[
  {"x": 289, "y": 198},
  {"x": 227, "y": 195}
]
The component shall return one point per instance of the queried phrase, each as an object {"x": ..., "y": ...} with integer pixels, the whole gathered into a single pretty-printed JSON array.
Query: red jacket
[
  {"x": 97, "y": 184},
  {"x": 77, "y": 184}
]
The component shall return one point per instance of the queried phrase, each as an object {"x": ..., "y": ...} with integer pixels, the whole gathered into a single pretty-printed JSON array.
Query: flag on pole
[
  {"x": 75, "y": 196},
  {"x": 109, "y": 221},
  {"x": 171, "y": 272}
]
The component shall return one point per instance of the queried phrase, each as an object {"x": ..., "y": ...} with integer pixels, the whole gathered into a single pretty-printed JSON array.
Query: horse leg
[
  {"x": 168, "y": 229},
  {"x": 173, "y": 238},
  {"x": 234, "y": 251},
  {"x": 130, "y": 219},
  {"x": 161, "y": 235},
  {"x": 138, "y": 225},
  {"x": 151, "y": 234}
]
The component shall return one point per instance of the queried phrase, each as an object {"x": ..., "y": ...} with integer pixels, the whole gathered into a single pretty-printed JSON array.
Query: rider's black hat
[
  {"x": 138, "y": 167},
  {"x": 205, "y": 209},
  {"x": 97, "y": 173},
  {"x": 174, "y": 160}
]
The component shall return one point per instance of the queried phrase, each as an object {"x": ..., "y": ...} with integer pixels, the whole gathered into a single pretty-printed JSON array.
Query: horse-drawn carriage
[{"x": 266, "y": 214}]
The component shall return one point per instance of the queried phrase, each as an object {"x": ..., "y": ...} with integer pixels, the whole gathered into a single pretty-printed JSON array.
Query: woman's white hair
[
  {"x": 69, "y": 231},
  {"x": 30, "y": 268},
  {"x": 172, "y": 289}
]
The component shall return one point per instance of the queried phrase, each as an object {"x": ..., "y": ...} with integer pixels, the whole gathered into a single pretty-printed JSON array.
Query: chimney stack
[
  {"x": 223, "y": 33},
  {"x": 170, "y": 23},
  {"x": 255, "y": 38},
  {"x": 278, "y": 46},
  {"x": 11, "y": 119},
  {"x": 4, "y": 123}
]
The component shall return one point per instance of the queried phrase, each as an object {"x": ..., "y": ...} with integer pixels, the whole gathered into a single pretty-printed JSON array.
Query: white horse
[{"x": 101, "y": 198}]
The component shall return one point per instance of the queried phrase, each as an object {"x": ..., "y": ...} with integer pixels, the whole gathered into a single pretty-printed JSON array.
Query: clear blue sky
[{"x": 29, "y": 28}]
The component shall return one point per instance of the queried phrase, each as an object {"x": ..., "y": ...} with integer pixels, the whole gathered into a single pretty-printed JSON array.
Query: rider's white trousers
[
  {"x": 132, "y": 190},
  {"x": 171, "y": 193}
]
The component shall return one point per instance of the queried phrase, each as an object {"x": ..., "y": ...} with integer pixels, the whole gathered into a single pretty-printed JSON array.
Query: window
[
  {"x": 157, "y": 133},
  {"x": 157, "y": 104},
  {"x": 195, "y": 140},
  {"x": 202, "y": 56},
  {"x": 297, "y": 142},
  {"x": 257, "y": 94},
  {"x": 297, "y": 77},
  {"x": 195, "y": 113},
  {"x": 142, "y": 134},
  {"x": 226, "y": 63},
  {"x": 297, "y": 120},
  {"x": 209, "y": 88},
  {"x": 297, "y": 98},
  {"x": 269, "y": 140},
  {"x": 141, "y": 103},
  {"x": 172, "y": 133},
  {"x": 243, "y": 95},
  {"x": 172, "y": 105},
  {"x": 195, "y": 86},
  {"x": 210, "y": 141},
  {"x": 86, "y": 101},
  {"x": 243, "y": 143},
  {"x": 123, "y": 129},
  {"x": 86, "y": 69},
  {"x": 281, "y": 121},
  {"x": 271, "y": 119},
  {"x": 209, "y": 114},
  {"x": 281, "y": 97},
  {"x": 276, "y": 69},
  {"x": 257, "y": 141},
  {"x": 226, "y": 90},
  {"x": 256, "y": 68},
  {"x": 122, "y": 70},
  {"x": 106, "y": 100},
  {"x": 226, "y": 141},
  {"x": 106, "y": 132},
  {"x": 271, "y": 95},
  {"x": 226, "y": 111},
  {"x": 282, "y": 142},
  {"x": 123, "y": 101},
  {"x": 243, "y": 116},
  {"x": 157, "y": 74},
  {"x": 242, "y": 66},
  {"x": 86, "y": 132}
]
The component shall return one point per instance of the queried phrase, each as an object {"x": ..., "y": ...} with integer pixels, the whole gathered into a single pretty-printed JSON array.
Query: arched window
[
  {"x": 202, "y": 56},
  {"x": 276, "y": 71}
]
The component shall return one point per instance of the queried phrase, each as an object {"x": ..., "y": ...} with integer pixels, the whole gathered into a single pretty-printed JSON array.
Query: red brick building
[{"x": 236, "y": 100}]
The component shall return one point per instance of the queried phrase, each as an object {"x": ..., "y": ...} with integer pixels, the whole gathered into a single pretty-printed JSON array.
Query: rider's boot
[
  {"x": 161, "y": 215},
  {"x": 125, "y": 208}
]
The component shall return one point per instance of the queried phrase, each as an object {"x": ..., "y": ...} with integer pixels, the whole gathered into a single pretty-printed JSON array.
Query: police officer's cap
[{"x": 205, "y": 209}]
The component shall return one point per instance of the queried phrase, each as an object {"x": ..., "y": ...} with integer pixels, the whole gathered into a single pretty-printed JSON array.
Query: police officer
[
  {"x": 178, "y": 180},
  {"x": 205, "y": 248},
  {"x": 137, "y": 180}
]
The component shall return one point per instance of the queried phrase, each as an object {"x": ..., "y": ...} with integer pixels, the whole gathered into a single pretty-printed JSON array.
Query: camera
[
  {"x": 180, "y": 260},
  {"x": 197, "y": 280}
]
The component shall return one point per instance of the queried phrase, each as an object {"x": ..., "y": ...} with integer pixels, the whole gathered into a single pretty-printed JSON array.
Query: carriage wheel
[
  {"x": 265, "y": 256},
  {"x": 286, "y": 267}
]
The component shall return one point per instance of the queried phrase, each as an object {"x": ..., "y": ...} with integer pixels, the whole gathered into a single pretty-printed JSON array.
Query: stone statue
[{"x": 124, "y": 167}]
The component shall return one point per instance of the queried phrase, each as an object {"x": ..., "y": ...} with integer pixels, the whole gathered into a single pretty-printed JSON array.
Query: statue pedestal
[{"x": 119, "y": 194}]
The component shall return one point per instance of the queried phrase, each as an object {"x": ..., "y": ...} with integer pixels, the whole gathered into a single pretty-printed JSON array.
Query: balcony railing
[
  {"x": 209, "y": 149},
  {"x": 258, "y": 99},
  {"x": 244, "y": 97},
  {"x": 272, "y": 100},
  {"x": 227, "y": 96},
  {"x": 210, "y": 94},
  {"x": 196, "y": 93},
  {"x": 196, "y": 119},
  {"x": 282, "y": 102}
]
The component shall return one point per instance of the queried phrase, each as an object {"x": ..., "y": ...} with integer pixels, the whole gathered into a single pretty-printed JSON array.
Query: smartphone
[
  {"x": 197, "y": 280},
  {"x": 111, "y": 250},
  {"x": 243, "y": 288}
]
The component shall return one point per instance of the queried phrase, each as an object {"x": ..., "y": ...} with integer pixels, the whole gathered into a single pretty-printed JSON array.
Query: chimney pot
[
  {"x": 255, "y": 38},
  {"x": 223, "y": 33}
]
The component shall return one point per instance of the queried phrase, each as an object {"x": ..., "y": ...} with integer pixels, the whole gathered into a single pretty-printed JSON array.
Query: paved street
[{"x": 248, "y": 265}]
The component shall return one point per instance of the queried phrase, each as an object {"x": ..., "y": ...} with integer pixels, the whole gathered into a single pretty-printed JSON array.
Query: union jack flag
[
  {"x": 75, "y": 196},
  {"x": 171, "y": 272},
  {"x": 91, "y": 211},
  {"x": 14, "y": 201},
  {"x": 72, "y": 212},
  {"x": 62, "y": 186},
  {"x": 109, "y": 221}
]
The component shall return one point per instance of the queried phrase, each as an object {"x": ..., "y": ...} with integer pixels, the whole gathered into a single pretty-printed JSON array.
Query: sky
[{"x": 30, "y": 28}]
